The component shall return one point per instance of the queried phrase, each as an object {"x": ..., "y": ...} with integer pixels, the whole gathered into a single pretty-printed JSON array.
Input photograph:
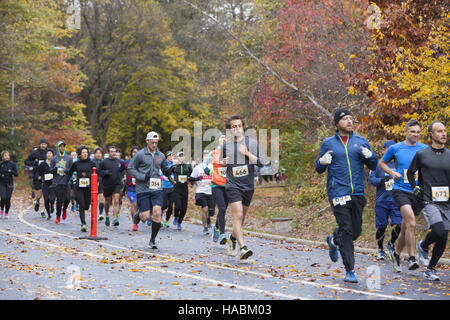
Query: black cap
[
  {"x": 340, "y": 113},
  {"x": 43, "y": 140}
]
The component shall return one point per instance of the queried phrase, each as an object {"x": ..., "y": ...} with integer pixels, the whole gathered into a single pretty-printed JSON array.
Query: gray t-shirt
[{"x": 240, "y": 170}]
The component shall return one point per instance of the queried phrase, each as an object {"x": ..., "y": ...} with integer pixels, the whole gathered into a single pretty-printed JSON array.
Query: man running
[
  {"x": 241, "y": 154},
  {"x": 403, "y": 153},
  {"x": 181, "y": 174},
  {"x": 8, "y": 169},
  {"x": 46, "y": 176},
  {"x": 145, "y": 167},
  {"x": 218, "y": 183},
  {"x": 385, "y": 206},
  {"x": 168, "y": 191},
  {"x": 344, "y": 156},
  {"x": 33, "y": 160},
  {"x": 60, "y": 164},
  {"x": 112, "y": 183},
  {"x": 203, "y": 193},
  {"x": 98, "y": 155},
  {"x": 131, "y": 185},
  {"x": 433, "y": 165}
]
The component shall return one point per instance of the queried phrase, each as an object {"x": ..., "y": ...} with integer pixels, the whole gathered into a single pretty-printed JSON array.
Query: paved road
[{"x": 41, "y": 260}]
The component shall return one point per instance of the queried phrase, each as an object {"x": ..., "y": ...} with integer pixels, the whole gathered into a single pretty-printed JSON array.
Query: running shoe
[
  {"x": 5, "y": 216},
  {"x": 1, "y": 214},
  {"x": 64, "y": 214},
  {"x": 381, "y": 254},
  {"x": 431, "y": 275},
  {"x": 231, "y": 246},
  {"x": 32, "y": 195},
  {"x": 350, "y": 277},
  {"x": 175, "y": 221},
  {"x": 72, "y": 208},
  {"x": 152, "y": 245},
  {"x": 49, "y": 216},
  {"x": 422, "y": 254},
  {"x": 179, "y": 227},
  {"x": 136, "y": 218},
  {"x": 205, "y": 231},
  {"x": 43, "y": 215},
  {"x": 57, "y": 221},
  {"x": 333, "y": 251},
  {"x": 107, "y": 221},
  {"x": 223, "y": 239},
  {"x": 390, "y": 247},
  {"x": 83, "y": 228},
  {"x": 245, "y": 253},
  {"x": 216, "y": 235},
  {"x": 413, "y": 265},
  {"x": 396, "y": 262},
  {"x": 135, "y": 227},
  {"x": 101, "y": 217},
  {"x": 116, "y": 222},
  {"x": 166, "y": 224}
]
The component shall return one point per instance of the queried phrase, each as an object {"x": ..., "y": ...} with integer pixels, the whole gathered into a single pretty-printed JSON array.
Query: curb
[{"x": 311, "y": 242}]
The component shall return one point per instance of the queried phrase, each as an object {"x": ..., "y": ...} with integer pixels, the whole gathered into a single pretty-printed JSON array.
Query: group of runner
[{"x": 410, "y": 177}]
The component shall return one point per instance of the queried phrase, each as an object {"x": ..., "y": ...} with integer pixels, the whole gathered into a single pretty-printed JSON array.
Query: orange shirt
[{"x": 219, "y": 171}]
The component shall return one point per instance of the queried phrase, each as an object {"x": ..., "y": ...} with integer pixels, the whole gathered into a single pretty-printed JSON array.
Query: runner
[
  {"x": 181, "y": 175},
  {"x": 112, "y": 178},
  {"x": 8, "y": 169},
  {"x": 145, "y": 167},
  {"x": 83, "y": 167},
  {"x": 385, "y": 206},
  {"x": 33, "y": 160},
  {"x": 203, "y": 193},
  {"x": 131, "y": 185},
  {"x": 60, "y": 165},
  {"x": 72, "y": 183},
  {"x": 240, "y": 154},
  {"x": 403, "y": 153},
  {"x": 344, "y": 155},
  {"x": 433, "y": 165},
  {"x": 218, "y": 188},
  {"x": 98, "y": 154},
  {"x": 46, "y": 176},
  {"x": 168, "y": 191},
  {"x": 30, "y": 175}
]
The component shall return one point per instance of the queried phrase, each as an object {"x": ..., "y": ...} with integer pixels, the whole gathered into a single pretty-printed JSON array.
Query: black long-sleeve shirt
[
  {"x": 109, "y": 170},
  {"x": 433, "y": 166},
  {"x": 44, "y": 171},
  {"x": 84, "y": 171},
  {"x": 8, "y": 169},
  {"x": 34, "y": 159},
  {"x": 184, "y": 170}
]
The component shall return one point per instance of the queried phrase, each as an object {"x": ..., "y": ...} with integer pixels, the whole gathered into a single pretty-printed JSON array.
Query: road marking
[
  {"x": 304, "y": 282},
  {"x": 156, "y": 269}
]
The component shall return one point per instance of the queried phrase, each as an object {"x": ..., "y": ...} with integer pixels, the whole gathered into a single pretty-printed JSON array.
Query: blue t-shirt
[{"x": 403, "y": 155}]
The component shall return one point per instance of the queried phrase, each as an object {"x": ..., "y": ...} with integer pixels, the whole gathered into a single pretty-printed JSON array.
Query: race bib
[
  {"x": 155, "y": 183},
  {"x": 60, "y": 171},
  {"x": 439, "y": 194},
  {"x": 48, "y": 177},
  {"x": 240, "y": 171},
  {"x": 222, "y": 171},
  {"x": 405, "y": 176},
  {"x": 84, "y": 182},
  {"x": 341, "y": 200},
  {"x": 133, "y": 181},
  {"x": 389, "y": 184},
  {"x": 182, "y": 178}
]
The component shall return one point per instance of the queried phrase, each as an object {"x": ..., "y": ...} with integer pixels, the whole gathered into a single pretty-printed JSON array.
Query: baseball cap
[
  {"x": 180, "y": 153},
  {"x": 168, "y": 153},
  {"x": 152, "y": 135}
]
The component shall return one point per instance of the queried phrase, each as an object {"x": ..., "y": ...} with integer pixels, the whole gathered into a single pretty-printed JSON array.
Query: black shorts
[
  {"x": 236, "y": 195},
  {"x": 402, "y": 197},
  {"x": 110, "y": 190},
  {"x": 204, "y": 200},
  {"x": 37, "y": 184}
]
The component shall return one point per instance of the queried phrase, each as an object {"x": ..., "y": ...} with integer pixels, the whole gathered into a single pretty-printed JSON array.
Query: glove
[
  {"x": 365, "y": 152},
  {"x": 326, "y": 158},
  {"x": 386, "y": 179},
  {"x": 147, "y": 176},
  {"x": 417, "y": 191}
]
